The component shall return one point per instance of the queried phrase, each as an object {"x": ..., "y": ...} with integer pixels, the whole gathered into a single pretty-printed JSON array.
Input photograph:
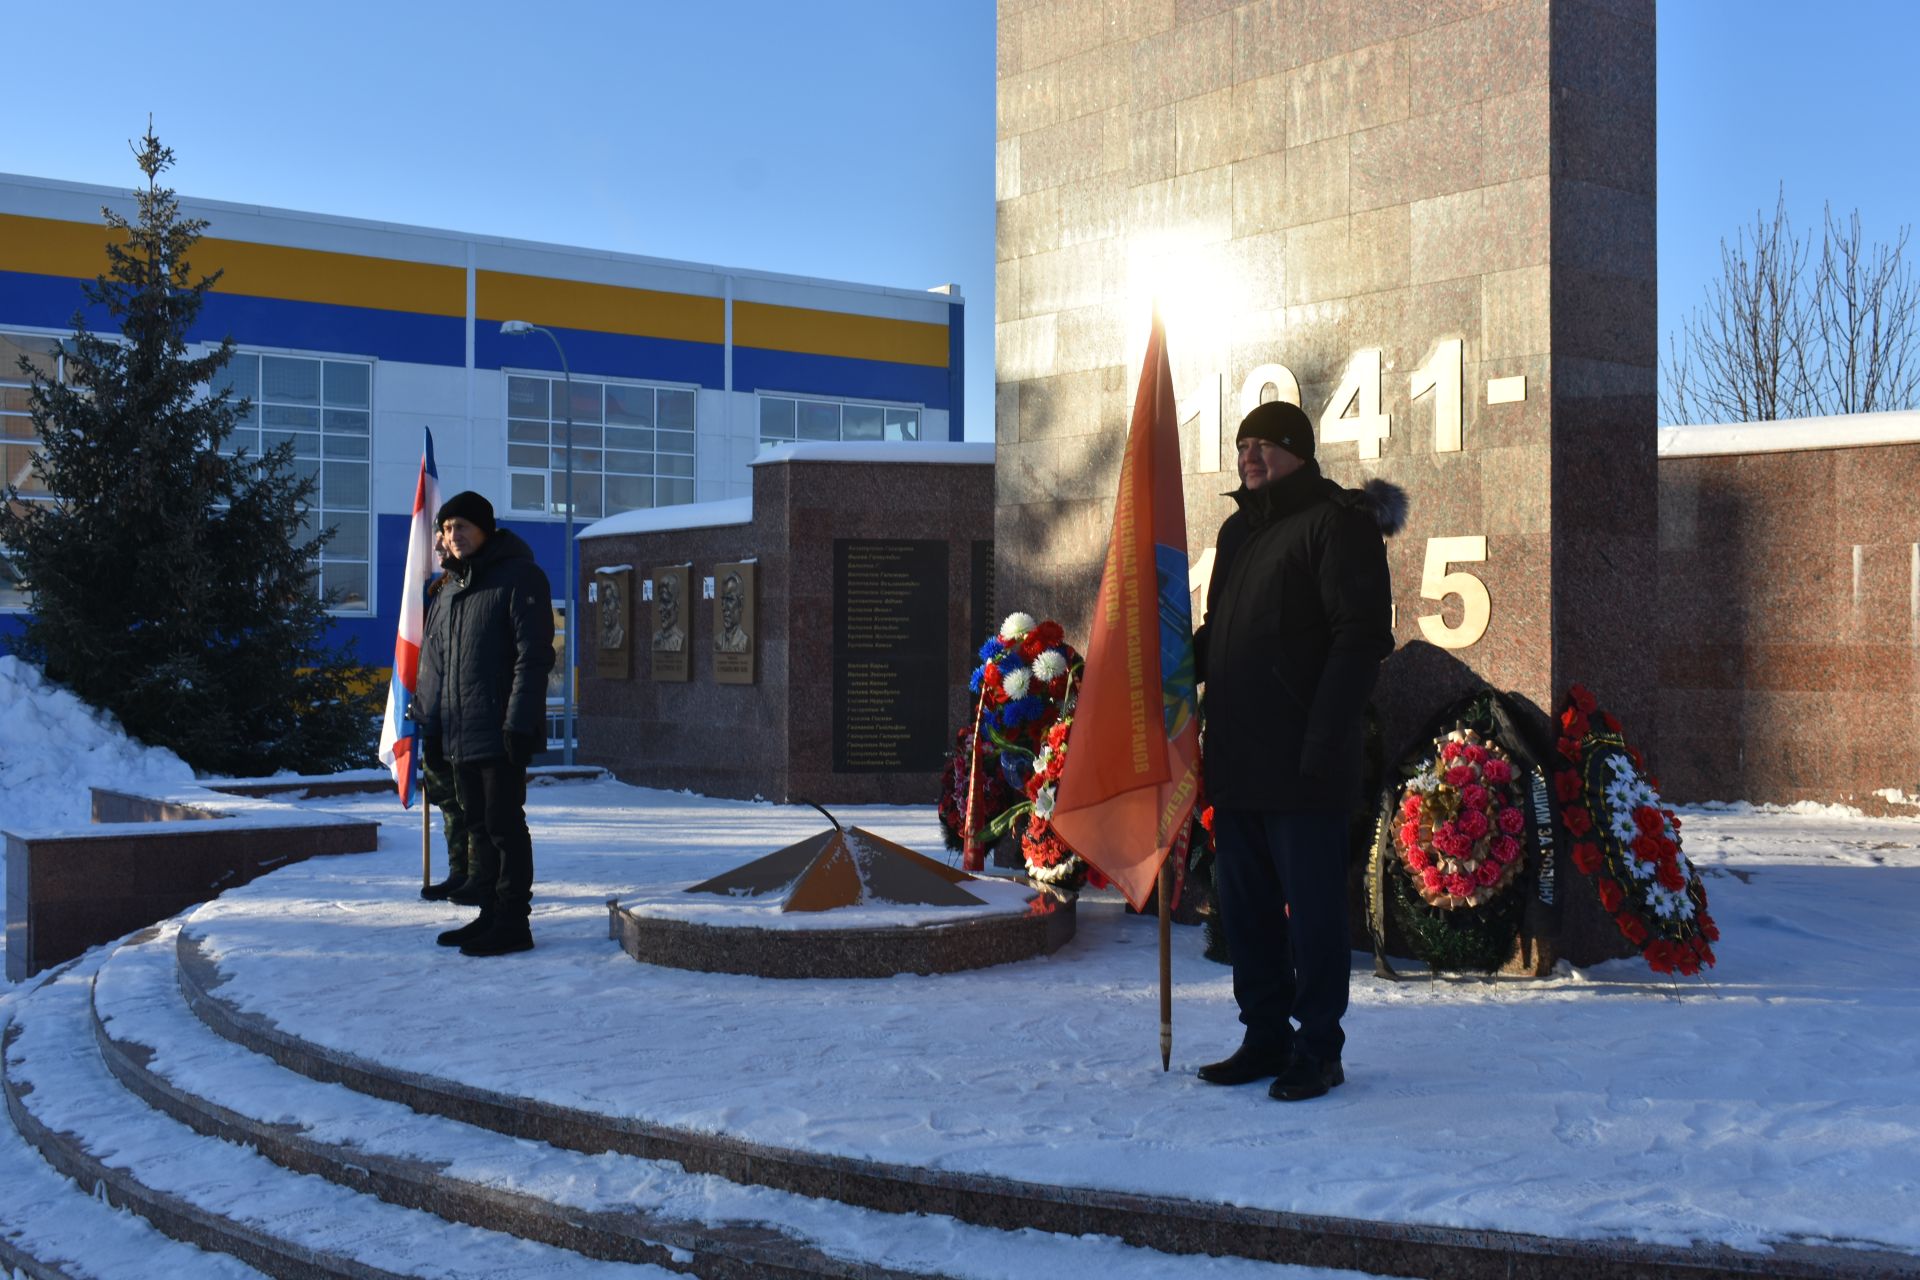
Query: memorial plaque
[
  {"x": 889, "y": 655},
  {"x": 984, "y": 616},
  {"x": 613, "y": 614},
  {"x": 735, "y": 623},
  {"x": 671, "y": 642}
]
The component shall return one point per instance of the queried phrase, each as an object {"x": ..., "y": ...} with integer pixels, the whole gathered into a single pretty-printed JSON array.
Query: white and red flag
[{"x": 399, "y": 740}]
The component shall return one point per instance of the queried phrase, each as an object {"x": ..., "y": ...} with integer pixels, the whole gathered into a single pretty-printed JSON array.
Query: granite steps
[
  {"x": 317, "y": 1152},
  {"x": 225, "y": 1197},
  {"x": 53, "y": 1228},
  {"x": 1169, "y": 1227},
  {"x": 114, "y": 1079}
]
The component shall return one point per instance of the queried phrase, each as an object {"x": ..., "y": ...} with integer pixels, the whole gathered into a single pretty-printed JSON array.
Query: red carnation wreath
[
  {"x": 1460, "y": 824},
  {"x": 1624, "y": 836}
]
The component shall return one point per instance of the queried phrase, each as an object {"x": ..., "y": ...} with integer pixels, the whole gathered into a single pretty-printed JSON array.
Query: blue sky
[
  {"x": 842, "y": 138},
  {"x": 1754, "y": 94}
]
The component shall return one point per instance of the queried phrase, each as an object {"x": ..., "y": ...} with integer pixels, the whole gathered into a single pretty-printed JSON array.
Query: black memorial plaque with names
[
  {"x": 984, "y": 617},
  {"x": 889, "y": 655}
]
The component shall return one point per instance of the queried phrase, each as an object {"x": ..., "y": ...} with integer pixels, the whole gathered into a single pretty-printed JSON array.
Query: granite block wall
[
  {"x": 1300, "y": 182},
  {"x": 774, "y": 738},
  {"x": 1363, "y": 192},
  {"x": 1790, "y": 594}
]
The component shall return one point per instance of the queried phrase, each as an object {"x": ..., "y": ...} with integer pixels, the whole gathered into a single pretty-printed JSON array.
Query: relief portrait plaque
[
  {"x": 672, "y": 640},
  {"x": 735, "y": 623},
  {"x": 613, "y": 618},
  {"x": 889, "y": 655}
]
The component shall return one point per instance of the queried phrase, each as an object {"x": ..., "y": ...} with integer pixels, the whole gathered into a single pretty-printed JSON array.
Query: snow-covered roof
[
  {"x": 967, "y": 452},
  {"x": 703, "y": 515},
  {"x": 688, "y": 515},
  {"x": 1846, "y": 431}
]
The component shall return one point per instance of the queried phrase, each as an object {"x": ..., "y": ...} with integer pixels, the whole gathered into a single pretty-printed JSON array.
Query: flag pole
[
  {"x": 426, "y": 840},
  {"x": 972, "y": 856},
  {"x": 1166, "y": 963}
]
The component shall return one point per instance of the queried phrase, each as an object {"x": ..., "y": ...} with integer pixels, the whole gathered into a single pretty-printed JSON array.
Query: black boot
[
  {"x": 472, "y": 929},
  {"x": 440, "y": 892},
  {"x": 1248, "y": 1063},
  {"x": 503, "y": 937},
  {"x": 1307, "y": 1077},
  {"x": 470, "y": 893}
]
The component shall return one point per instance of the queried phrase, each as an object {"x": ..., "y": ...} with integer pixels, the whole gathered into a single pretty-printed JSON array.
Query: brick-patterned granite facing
[
  {"x": 1791, "y": 656},
  {"x": 320, "y": 786},
  {"x": 150, "y": 857},
  {"x": 840, "y": 953},
  {"x": 1156, "y": 1222},
  {"x": 773, "y": 739}
]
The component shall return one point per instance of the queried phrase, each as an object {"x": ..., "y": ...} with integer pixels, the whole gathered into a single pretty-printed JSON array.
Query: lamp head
[{"x": 514, "y": 328}]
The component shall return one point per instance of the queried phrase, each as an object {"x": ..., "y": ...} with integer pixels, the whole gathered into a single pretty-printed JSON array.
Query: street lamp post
[{"x": 515, "y": 328}]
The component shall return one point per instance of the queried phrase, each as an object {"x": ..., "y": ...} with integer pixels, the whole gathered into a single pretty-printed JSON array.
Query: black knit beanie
[
  {"x": 1286, "y": 425},
  {"x": 469, "y": 506}
]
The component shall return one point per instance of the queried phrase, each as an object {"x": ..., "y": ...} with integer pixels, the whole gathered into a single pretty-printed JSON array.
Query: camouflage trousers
[{"x": 439, "y": 787}]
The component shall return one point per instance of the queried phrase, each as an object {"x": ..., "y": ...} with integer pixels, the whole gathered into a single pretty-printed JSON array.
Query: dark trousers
[
  {"x": 493, "y": 795},
  {"x": 1282, "y": 882},
  {"x": 443, "y": 795}
]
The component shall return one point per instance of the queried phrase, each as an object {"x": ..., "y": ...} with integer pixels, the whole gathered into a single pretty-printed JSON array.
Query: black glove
[
  {"x": 521, "y": 748},
  {"x": 432, "y": 754},
  {"x": 1317, "y": 767}
]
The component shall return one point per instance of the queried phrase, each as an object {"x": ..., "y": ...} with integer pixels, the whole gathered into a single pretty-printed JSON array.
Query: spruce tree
[{"x": 171, "y": 583}]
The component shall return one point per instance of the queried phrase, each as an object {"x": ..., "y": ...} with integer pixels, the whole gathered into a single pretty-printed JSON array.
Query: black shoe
[
  {"x": 1307, "y": 1077},
  {"x": 466, "y": 932},
  {"x": 1249, "y": 1062},
  {"x": 504, "y": 938},
  {"x": 440, "y": 892},
  {"x": 469, "y": 893}
]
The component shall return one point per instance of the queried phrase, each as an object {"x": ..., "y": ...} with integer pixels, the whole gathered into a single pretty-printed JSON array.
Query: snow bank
[{"x": 57, "y": 746}]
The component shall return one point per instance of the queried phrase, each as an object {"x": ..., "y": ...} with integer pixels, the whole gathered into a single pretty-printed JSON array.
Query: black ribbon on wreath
[{"x": 1504, "y": 718}]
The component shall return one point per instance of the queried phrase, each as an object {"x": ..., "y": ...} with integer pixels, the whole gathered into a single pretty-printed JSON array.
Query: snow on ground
[
  {"x": 55, "y": 747},
  {"x": 1775, "y": 1100}
]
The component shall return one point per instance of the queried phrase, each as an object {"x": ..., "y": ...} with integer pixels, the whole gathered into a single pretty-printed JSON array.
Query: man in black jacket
[
  {"x": 1298, "y": 619},
  {"x": 483, "y": 699},
  {"x": 438, "y": 782}
]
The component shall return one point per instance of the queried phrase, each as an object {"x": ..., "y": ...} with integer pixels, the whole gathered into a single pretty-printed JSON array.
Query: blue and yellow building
[{"x": 354, "y": 335}]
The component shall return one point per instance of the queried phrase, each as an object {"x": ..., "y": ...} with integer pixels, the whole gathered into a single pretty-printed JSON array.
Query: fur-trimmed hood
[
  {"x": 1384, "y": 500},
  {"x": 1388, "y": 502}
]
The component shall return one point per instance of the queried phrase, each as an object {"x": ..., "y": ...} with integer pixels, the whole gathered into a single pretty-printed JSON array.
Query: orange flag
[{"x": 1127, "y": 790}]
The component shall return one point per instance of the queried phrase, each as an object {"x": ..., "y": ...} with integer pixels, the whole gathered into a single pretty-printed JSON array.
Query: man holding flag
[
  {"x": 1299, "y": 616},
  {"x": 399, "y": 730},
  {"x": 483, "y": 708}
]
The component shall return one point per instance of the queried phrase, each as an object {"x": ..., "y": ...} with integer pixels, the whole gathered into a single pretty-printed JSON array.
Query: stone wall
[
  {"x": 1790, "y": 608},
  {"x": 774, "y": 738},
  {"x": 1305, "y": 183}
]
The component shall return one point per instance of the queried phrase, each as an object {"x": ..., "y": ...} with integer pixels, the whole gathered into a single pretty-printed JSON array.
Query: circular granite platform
[{"x": 757, "y": 938}]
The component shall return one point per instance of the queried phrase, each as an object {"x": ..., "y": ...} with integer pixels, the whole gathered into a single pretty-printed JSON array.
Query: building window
[
  {"x": 19, "y": 441},
  {"x": 632, "y": 446},
  {"x": 785, "y": 419},
  {"x": 325, "y": 408}
]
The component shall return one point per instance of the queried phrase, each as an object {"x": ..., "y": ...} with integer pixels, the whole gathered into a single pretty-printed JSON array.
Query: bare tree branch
[
  {"x": 1865, "y": 308},
  {"x": 1771, "y": 340}
]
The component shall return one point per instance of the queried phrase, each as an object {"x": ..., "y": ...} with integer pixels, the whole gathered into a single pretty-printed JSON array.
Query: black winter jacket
[
  {"x": 1299, "y": 616},
  {"x": 487, "y": 652}
]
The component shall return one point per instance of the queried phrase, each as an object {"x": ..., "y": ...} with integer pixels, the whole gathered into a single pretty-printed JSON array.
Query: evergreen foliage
[{"x": 172, "y": 583}]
